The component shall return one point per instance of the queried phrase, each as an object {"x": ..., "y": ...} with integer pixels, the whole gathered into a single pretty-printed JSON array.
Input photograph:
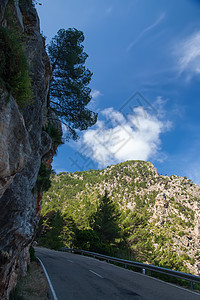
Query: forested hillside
[{"x": 128, "y": 210}]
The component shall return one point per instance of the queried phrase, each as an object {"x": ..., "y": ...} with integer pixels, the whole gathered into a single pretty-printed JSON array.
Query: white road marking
[
  {"x": 70, "y": 261},
  {"x": 96, "y": 273},
  {"x": 49, "y": 281}
]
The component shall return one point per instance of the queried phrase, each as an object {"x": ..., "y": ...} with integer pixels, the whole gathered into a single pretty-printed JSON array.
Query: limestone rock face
[
  {"x": 23, "y": 144},
  {"x": 14, "y": 147}
]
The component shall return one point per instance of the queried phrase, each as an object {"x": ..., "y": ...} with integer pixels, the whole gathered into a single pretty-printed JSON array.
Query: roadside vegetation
[{"x": 34, "y": 285}]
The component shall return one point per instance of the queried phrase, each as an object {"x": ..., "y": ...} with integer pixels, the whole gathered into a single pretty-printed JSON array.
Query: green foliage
[
  {"x": 138, "y": 236},
  {"x": 32, "y": 254},
  {"x": 68, "y": 232},
  {"x": 56, "y": 230},
  {"x": 52, "y": 231},
  {"x": 14, "y": 70},
  {"x": 69, "y": 91},
  {"x": 43, "y": 182},
  {"x": 26, "y": 3},
  {"x": 105, "y": 221},
  {"x": 181, "y": 233},
  {"x": 172, "y": 260},
  {"x": 15, "y": 294},
  {"x": 55, "y": 134},
  {"x": 87, "y": 239}
]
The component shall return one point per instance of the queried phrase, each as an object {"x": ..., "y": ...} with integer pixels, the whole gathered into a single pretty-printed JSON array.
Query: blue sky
[{"x": 145, "y": 59}]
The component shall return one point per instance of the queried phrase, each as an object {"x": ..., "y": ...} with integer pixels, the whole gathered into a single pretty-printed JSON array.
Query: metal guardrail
[{"x": 144, "y": 267}]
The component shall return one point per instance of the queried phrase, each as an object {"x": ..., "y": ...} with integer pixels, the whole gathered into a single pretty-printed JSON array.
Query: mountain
[{"x": 160, "y": 215}]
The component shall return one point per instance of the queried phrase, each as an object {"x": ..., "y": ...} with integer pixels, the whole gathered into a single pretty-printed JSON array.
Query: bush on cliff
[
  {"x": 43, "y": 179},
  {"x": 14, "y": 70}
]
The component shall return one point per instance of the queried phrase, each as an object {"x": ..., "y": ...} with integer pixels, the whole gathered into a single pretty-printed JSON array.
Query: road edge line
[{"x": 48, "y": 279}]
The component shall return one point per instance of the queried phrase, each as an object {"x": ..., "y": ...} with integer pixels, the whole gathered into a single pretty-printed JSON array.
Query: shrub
[
  {"x": 32, "y": 254},
  {"x": 43, "y": 182},
  {"x": 181, "y": 233},
  {"x": 52, "y": 238},
  {"x": 26, "y": 3},
  {"x": 86, "y": 239},
  {"x": 55, "y": 134},
  {"x": 14, "y": 71}
]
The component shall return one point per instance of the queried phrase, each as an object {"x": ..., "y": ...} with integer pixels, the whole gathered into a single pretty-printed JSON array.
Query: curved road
[{"x": 76, "y": 277}]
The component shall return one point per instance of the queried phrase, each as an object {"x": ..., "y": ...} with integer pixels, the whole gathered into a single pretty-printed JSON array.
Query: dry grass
[{"x": 33, "y": 286}]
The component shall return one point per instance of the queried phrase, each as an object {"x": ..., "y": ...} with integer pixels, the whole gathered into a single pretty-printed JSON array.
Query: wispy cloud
[
  {"x": 93, "y": 104},
  {"x": 118, "y": 138},
  {"x": 147, "y": 29},
  {"x": 95, "y": 94},
  {"x": 187, "y": 54}
]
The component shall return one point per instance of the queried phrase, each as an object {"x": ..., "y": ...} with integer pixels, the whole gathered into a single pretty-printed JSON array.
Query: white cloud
[
  {"x": 187, "y": 53},
  {"x": 150, "y": 27},
  {"x": 118, "y": 139},
  {"x": 95, "y": 94}
]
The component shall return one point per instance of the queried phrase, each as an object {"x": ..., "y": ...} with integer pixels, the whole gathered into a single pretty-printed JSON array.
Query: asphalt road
[{"x": 76, "y": 277}]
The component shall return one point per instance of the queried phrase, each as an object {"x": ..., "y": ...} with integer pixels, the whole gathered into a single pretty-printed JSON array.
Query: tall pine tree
[
  {"x": 105, "y": 222},
  {"x": 69, "y": 93}
]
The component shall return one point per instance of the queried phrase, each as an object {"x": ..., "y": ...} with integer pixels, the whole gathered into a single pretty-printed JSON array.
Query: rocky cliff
[{"x": 23, "y": 145}]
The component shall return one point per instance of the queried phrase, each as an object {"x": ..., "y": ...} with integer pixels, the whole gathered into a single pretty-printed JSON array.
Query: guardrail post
[
  {"x": 125, "y": 266},
  {"x": 108, "y": 261},
  {"x": 192, "y": 285},
  {"x": 143, "y": 271}
]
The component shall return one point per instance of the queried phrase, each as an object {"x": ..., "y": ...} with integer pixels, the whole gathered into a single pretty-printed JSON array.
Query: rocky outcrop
[
  {"x": 14, "y": 147},
  {"x": 23, "y": 144}
]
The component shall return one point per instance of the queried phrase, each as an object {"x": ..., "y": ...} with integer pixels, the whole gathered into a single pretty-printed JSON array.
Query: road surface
[{"x": 77, "y": 277}]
